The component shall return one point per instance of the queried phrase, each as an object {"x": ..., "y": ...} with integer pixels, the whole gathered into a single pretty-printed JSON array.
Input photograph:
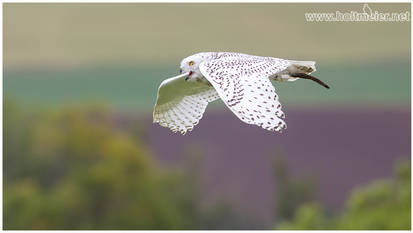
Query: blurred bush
[
  {"x": 83, "y": 168},
  {"x": 291, "y": 192},
  {"x": 75, "y": 169},
  {"x": 382, "y": 205}
]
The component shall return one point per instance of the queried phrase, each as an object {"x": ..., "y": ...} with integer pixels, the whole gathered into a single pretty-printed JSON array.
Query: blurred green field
[
  {"x": 119, "y": 53},
  {"x": 135, "y": 88},
  {"x": 67, "y": 35}
]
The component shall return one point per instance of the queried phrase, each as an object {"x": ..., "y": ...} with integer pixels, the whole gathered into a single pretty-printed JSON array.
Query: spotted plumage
[{"x": 242, "y": 81}]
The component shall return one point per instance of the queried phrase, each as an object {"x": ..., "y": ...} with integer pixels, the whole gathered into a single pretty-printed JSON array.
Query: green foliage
[
  {"x": 76, "y": 170},
  {"x": 291, "y": 193},
  {"x": 223, "y": 216},
  {"x": 382, "y": 205},
  {"x": 308, "y": 216}
]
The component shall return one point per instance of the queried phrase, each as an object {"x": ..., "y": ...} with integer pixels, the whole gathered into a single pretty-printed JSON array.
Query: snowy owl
[{"x": 242, "y": 81}]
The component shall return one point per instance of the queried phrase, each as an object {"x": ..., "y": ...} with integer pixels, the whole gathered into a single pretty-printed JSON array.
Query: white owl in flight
[{"x": 242, "y": 81}]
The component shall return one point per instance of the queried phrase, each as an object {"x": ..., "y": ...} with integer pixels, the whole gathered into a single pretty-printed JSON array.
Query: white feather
[
  {"x": 180, "y": 104},
  {"x": 244, "y": 86}
]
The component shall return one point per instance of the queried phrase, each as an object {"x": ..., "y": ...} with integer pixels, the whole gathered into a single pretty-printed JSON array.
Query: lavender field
[{"x": 339, "y": 149}]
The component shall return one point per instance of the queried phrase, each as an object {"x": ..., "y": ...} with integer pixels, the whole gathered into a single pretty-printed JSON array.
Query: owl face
[{"x": 190, "y": 65}]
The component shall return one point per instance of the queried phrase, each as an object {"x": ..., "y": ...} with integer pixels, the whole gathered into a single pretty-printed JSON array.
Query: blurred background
[{"x": 81, "y": 152}]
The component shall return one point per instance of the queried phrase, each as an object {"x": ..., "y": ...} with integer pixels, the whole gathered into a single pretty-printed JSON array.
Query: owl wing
[
  {"x": 244, "y": 86},
  {"x": 180, "y": 104}
]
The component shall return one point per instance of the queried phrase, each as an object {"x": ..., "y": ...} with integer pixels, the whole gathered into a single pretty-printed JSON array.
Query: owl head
[{"x": 191, "y": 64}]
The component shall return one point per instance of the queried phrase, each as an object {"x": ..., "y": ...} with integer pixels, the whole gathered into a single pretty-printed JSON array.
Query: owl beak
[{"x": 189, "y": 75}]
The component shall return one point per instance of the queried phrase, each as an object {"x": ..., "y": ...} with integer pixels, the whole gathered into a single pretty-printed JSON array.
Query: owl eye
[{"x": 191, "y": 63}]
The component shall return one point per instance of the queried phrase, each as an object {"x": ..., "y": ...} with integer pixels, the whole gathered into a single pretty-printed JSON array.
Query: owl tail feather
[{"x": 303, "y": 69}]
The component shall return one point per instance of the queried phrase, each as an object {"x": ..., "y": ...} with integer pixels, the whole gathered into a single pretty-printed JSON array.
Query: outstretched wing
[
  {"x": 180, "y": 105},
  {"x": 244, "y": 86}
]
